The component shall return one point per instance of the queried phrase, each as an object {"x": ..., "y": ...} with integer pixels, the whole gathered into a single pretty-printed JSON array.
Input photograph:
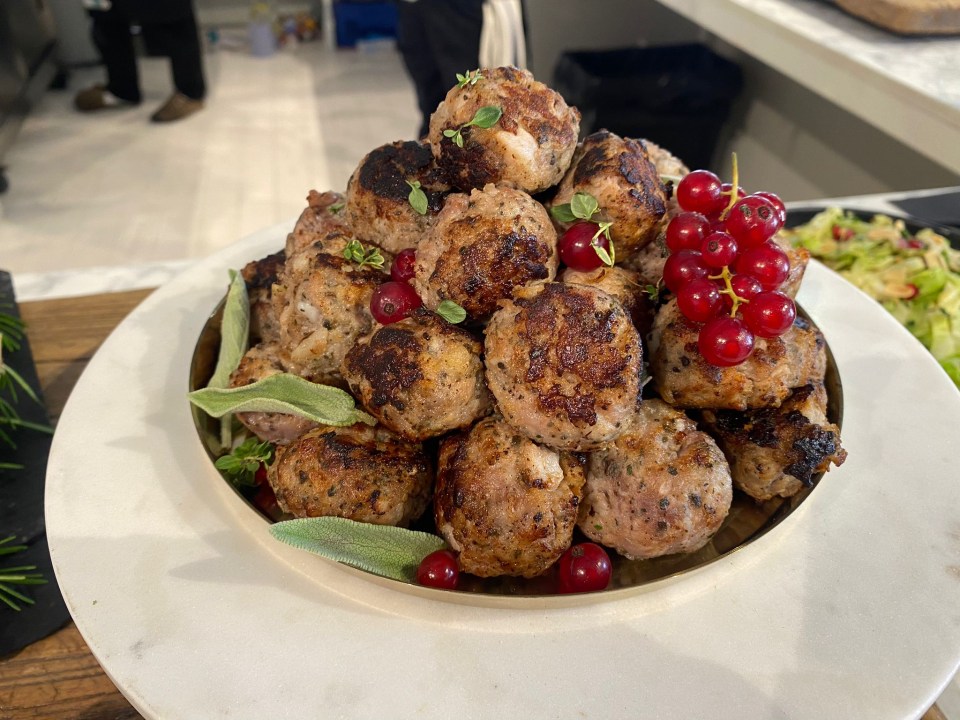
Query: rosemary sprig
[{"x": 19, "y": 575}]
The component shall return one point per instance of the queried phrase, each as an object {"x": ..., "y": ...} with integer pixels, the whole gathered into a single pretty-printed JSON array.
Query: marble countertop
[{"x": 908, "y": 87}]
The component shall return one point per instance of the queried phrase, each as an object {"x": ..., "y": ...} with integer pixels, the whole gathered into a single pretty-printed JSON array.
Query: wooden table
[{"x": 58, "y": 677}]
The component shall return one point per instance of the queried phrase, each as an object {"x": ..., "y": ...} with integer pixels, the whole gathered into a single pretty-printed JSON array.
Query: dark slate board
[{"x": 21, "y": 506}]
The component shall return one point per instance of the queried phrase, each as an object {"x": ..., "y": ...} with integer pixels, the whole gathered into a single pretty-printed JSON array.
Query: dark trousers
[
  {"x": 438, "y": 39},
  {"x": 179, "y": 40}
]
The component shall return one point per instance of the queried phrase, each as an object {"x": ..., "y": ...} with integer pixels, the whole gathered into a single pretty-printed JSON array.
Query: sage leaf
[
  {"x": 562, "y": 213},
  {"x": 451, "y": 312},
  {"x": 234, "y": 331},
  {"x": 384, "y": 550},
  {"x": 417, "y": 198},
  {"x": 283, "y": 393},
  {"x": 583, "y": 205},
  {"x": 486, "y": 117}
]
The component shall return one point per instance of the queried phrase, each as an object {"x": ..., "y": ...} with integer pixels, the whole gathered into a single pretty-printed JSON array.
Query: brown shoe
[
  {"x": 177, "y": 107},
  {"x": 97, "y": 98}
]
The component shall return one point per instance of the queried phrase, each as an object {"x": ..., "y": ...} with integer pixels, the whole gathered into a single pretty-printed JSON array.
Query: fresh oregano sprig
[
  {"x": 451, "y": 312},
  {"x": 470, "y": 77},
  {"x": 582, "y": 206},
  {"x": 417, "y": 197},
  {"x": 242, "y": 463},
  {"x": 355, "y": 252},
  {"x": 485, "y": 117}
]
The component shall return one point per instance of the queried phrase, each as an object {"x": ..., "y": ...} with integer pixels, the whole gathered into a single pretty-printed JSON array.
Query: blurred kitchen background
[{"x": 113, "y": 189}]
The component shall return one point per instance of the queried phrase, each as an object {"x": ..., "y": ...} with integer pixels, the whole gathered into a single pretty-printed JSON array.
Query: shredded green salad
[{"x": 916, "y": 276}]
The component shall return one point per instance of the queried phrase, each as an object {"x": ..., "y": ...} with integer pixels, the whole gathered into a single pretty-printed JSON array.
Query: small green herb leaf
[
  {"x": 562, "y": 213},
  {"x": 283, "y": 393},
  {"x": 417, "y": 198},
  {"x": 244, "y": 461},
  {"x": 384, "y": 550},
  {"x": 653, "y": 292},
  {"x": 608, "y": 258},
  {"x": 485, "y": 117},
  {"x": 451, "y": 312},
  {"x": 468, "y": 78},
  {"x": 455, "y": 136},
  {"x": 584, "y": 205},
  {"x": 336, "y": 207},
  {"x": 355, "y": 252}
]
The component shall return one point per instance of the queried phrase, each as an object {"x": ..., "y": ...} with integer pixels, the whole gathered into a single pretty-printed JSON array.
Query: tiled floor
[{"x": 114, "y": 189}]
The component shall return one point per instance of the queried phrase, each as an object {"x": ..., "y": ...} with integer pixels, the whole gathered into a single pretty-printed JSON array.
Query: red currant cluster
[
  {"x": 395, "y": 300},
  {"x": 724, "y": 269}
]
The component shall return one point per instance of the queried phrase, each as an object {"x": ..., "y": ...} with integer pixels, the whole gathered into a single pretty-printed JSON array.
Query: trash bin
[{"x": 678, "y": 96}]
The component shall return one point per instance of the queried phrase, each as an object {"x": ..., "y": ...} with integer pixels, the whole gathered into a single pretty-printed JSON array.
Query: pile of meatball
[{"x": 566, "y": 399}]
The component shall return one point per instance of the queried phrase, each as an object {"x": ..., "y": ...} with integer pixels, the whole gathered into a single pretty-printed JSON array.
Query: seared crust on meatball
[
  {"x": 357, "y": 472},
  {"x": 259, "y": 362},
  {"x": 482, "y": 247},
  {"x": 259, "y": 277},
  {"x": 623, "y": 285},
  {"x": 663, "y": 487},
  {"x": 619, "y": 174},
  {"x": 563, "y": 362},
  {"x": 421, "y": 377},
  {"x": 765, "y": 379},
  {"x": 778, "y": 451},
  {"x": 799, "y": 259},
  {"x": 323, "y": 214},
  {"x": 322, "y": 302},
  {"x": 507, "y": 505},
  {"x": 529, "y": 147},
  {"x": 665, "y": 161},
  {"x": 378, "y": 208}
]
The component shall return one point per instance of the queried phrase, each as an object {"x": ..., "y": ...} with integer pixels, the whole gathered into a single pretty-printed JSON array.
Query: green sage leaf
[
  {"x": 562, "y": 213},
  {"x": 451, "y": 312},
  {"x": 486, "y": 117},
  {"x": 417, "y": 198},
  {"x": 384, "y": 550},
  {"x": 583, "y": 205},
  {"x": 283, "y": 393},
  {"x": 234, "y": 331}
]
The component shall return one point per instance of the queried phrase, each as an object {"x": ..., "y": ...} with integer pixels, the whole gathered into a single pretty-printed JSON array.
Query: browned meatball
[
  {"x": 359, "y": 472},
  {"x": 619, "y": 174},
  {"x": 322, "y": 302},
  {"x": 777, "y": 451},
  {"x": 623, "y": 285},
  {"x": 259, "y": 362},
  {"x": 421, "y": 377},
  {"x": 378, "y": 207},
  {"x": 776, "y": 366},
  {"x": 529, "y": 147},
  {"x": 666, "y": 162},
  {"x": 259, "y": 277},
  {"x": 484, "y": 246},
  {"x": 799, "y": 258},
  {"x": 663, "y": 487},
  {"x": 563, "y": 362},
  {"x": 507, "y": 505},
  {"x": 323, "y": 215}
]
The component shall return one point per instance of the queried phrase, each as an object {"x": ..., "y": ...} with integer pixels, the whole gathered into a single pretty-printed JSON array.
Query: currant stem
[
  {"x": 734, "y": 193},
  {"x": 728, "y": 288}
]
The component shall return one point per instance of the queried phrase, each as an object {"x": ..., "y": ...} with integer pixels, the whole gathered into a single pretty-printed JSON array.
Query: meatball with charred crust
[
  {"x": 776, "y": 366},
  {"x": 322, "y": 216},
  {"x": 322, "y": 302},
  {"x": 259, "y": 277},
  {"x": 358, "y": 472},
  {"x": 623, "y": 285},
  {"x": 378, "y": 208},
  {"x": 421, "y": 377},
  {"x": 529, "y": 147},
  {"x": 507, "y": 505},
  {"x": 778, "y": 451},
  {"x": 259, "y": 362},
  {"x": 662, "y": 487},
  {"x": 619, "y": 174},
  {"x": 563, "y": 362},
  {"x": 482, "y": 247},
  {"x": 799, "y": 259}
]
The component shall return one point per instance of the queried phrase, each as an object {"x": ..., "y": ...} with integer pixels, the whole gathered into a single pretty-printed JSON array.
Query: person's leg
[
  {"x": 415, "y": 49},
  {"x": 453, "y": 31},
  {"x": 111, "y": 35},
  {"x": 181, "y": 42}
]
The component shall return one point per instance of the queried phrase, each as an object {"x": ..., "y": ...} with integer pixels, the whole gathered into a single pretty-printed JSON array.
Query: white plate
[{"x": 849, "y": 608}]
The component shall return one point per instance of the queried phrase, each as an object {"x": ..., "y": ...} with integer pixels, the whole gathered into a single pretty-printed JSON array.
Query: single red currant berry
[
  {"x": 777, "y": 204},
  {"x": 393, "y": 301},
  {"x": 752, "y": 220},
  {"x": 402, "y": 269},
  {"x": 699, "y": 191},
  {"x": 686, "y": 231},
  {"x": 769, "y": 314},
  {"x": 585, "y": 567},
  {"x": 725, "y": 341},
  {"x": 699, "y": 300},
  {"x": 744, "y": 287},
  {"x": 718, "y": 250},
  {"x": 576, "y": 246},
  {"x": 439, "y": 569},
  {"x": 765, "y": 262},
  {"x": 682, "y": 267},
  {"x": 727, "y": 188}
]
